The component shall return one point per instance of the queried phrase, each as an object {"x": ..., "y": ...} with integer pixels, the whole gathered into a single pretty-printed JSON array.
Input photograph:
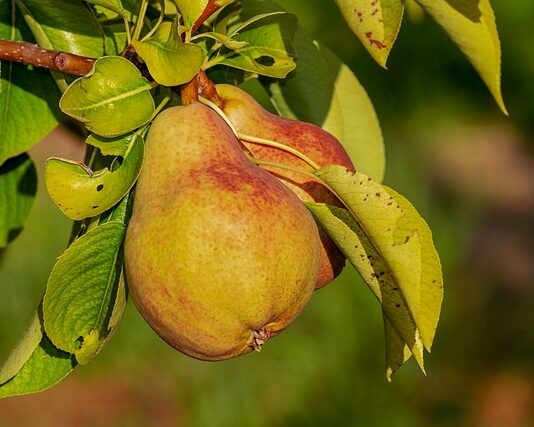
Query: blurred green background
[{"x": 470, "y": 172}]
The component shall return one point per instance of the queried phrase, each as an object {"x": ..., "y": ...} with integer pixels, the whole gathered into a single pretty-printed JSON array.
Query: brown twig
[
  {"x": 211, "y": 8},
  {"x": 31, "y": 54}
]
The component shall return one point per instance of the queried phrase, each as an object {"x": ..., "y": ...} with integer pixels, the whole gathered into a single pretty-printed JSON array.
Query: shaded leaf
[
  {"x": 471, "y": 25},
  {"x": 44, "y": 368},
  {"x": 112, "y": 100},
  {"x": 397, "y": 352},
  {"x": 22, "y": 350},
  {"x": 375, "y": 22},
  {"x": 81, "y": 193},
  {"x": 170, "y": 62},
  {"x": 324, "y": 91},
  {"x": 18, "y": 185},
  {"x": 28, "y": 98}
]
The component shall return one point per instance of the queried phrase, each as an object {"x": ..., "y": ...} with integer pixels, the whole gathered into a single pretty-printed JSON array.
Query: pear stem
[
  {"x": 257, "y": 140},
  {"x": 268, "y": 142},
  {"x": 282, "y": 166},
  {"x": 140, "y": 20},
  {"x": 220, "y": 112}
]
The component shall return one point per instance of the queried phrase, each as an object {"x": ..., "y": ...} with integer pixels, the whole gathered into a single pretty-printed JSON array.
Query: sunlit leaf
[
  {"x": 471, "y": 25},
  {"x": 191, "y": 10},
  {"x": 391, "y": 247},
  {"x": 112, "y": 100},
  {"x": 65, "y": 25},
  {"x": 376, "y": 268},
  {"x": 170, "y": 62},
  {"x": 375, "y": 22},
  {"x": 80, "y": 193},
  {"x": 81, "y": 290}
]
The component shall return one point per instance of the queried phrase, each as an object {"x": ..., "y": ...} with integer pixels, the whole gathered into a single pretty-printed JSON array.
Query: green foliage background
[{"x": 327, "y": 369}]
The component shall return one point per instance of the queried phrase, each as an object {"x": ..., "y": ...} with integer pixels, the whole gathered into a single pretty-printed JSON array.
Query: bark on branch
[{"x": 31, "y": 54}]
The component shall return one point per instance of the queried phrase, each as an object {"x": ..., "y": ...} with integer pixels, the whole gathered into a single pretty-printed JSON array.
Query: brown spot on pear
[
  {"x": 220, "y": 256},
  {"x": 251, "y": 118}
]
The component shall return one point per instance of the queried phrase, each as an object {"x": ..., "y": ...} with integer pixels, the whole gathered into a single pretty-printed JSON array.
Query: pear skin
[
  {"x": 252, "y": 119},
  {"x": 220, "y": 256}
]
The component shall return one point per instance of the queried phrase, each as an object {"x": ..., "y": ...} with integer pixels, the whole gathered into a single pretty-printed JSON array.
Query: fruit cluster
[{"x": 221, "y": 253}]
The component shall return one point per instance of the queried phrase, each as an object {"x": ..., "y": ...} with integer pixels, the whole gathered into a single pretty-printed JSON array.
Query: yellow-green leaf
[
  {"x": 375, "y": 22},
  {"x": 324, "y": 91},
  {"x": 170, "y": 61},
  {"x": 431, "y": 275},
  {"x": 81, "y": 290},
  {"x": 112, "y": 100},
  {"x": 397, "y": 352},
  {"x": 471, "y": 25},
  {"x": 391, "y": 246},
  {"x": 191, "y": 10},
  {"x": 22, "y": 350},
  {"x": 81, "y": 193},
  {"x": 376, "y": 270}
]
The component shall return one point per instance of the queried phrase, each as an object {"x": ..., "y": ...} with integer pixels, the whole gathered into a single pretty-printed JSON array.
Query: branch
[
  {"x": 212, "y": 7},
  {"x": 31, "y": 54}
]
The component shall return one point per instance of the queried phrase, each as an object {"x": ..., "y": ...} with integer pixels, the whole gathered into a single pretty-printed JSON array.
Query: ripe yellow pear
[
  {"x": 220, "y": 256},
  {"x": 252, "y": 119}
]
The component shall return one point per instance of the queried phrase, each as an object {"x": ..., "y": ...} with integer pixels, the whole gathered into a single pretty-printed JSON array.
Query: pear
[
  {"x": 252, "y": 119},
  {"x": 220, "y": 256}
]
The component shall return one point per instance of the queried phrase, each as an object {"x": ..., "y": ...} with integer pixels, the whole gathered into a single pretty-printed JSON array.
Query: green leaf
[
  {"x": 81, "y": 193},
  {"x": 391, "y": 246},
  {"x": 22, "y": 351},
  {"x": 191, "y": 10},
  {"x": 81, "y": 291},
  {"x": 324, "y": 91},
  {"x": 471, "y": 25},
  {"x": 65, "y": 25},
  {"x": 376, "y": 268},
  {"x": 170, "y": 62},
  {"x": 113, "y": 5},
  {"x": 266, "y": 52},
  {"x": 376, "y": 23},
  {"x": 431, "y": 287},
  {"x": 18, "y": 185},
  {"x": 28, "y": 98},
  {"x": 34, "y": 365},
  {"x": 112, "y": 100},
  {"x": 397, "y": 352}
]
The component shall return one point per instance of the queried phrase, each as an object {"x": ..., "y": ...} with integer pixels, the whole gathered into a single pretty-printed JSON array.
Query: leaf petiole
[{"x": 257, "y": 140}]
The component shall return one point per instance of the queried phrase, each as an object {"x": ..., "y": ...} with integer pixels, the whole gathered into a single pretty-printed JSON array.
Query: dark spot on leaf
[
  {"x": 265, "y": 60},
  {"x": 95, "y": 207},
  {"x": 100, "y": 187},
  {"x": 397, "y": 305}
]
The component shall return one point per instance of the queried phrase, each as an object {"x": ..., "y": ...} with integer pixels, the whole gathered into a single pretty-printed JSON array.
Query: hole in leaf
[
  {"x": 100, "y": 187},
  {"x": 265, "y": 60}
]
